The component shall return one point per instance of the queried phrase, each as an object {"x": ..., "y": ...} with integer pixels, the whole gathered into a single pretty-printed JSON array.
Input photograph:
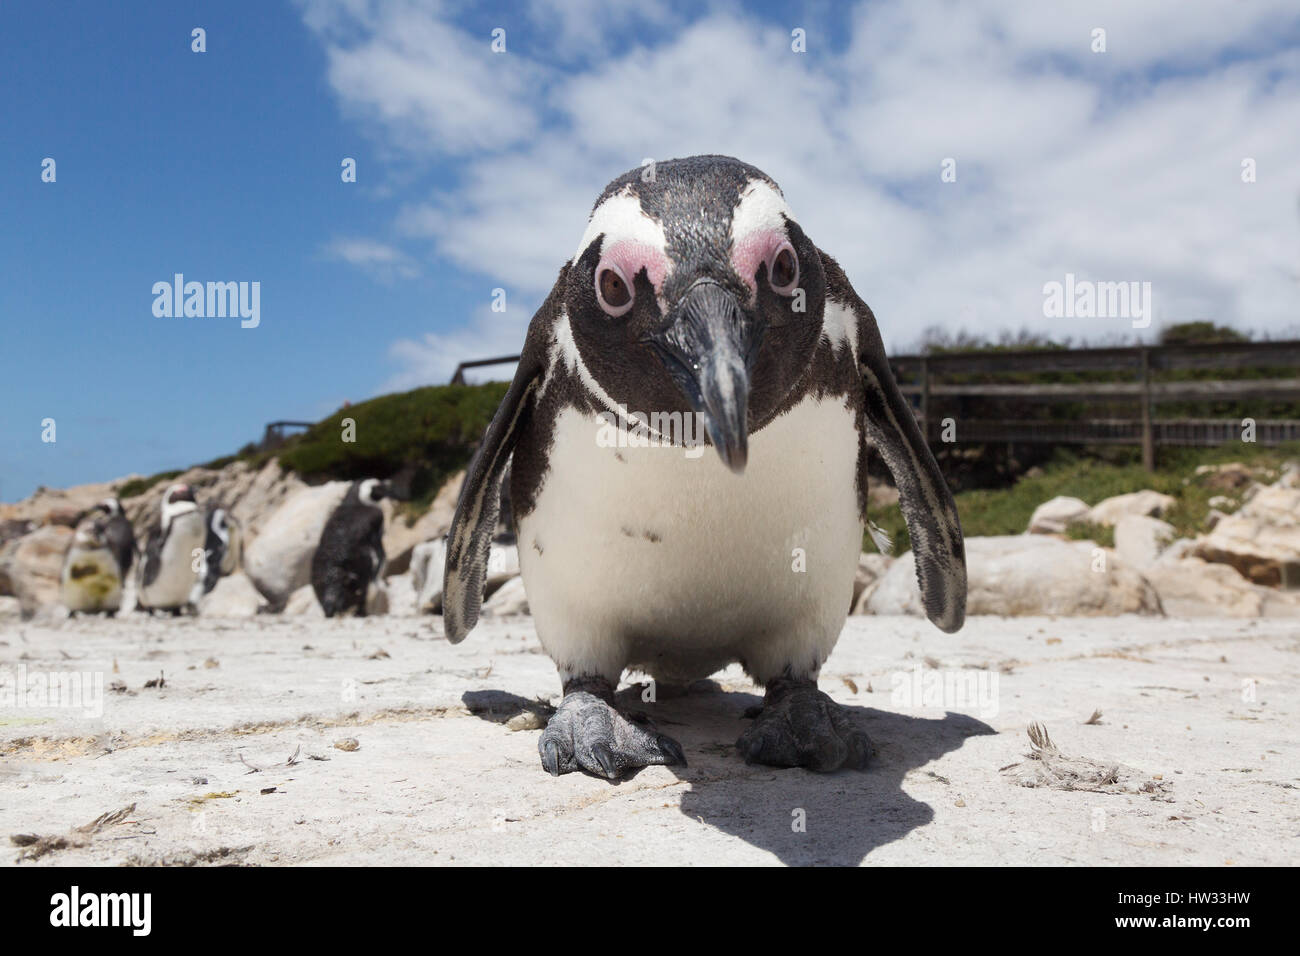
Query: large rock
[
  {"x": 1150, "y": 504},
  {"x": 426, "y": 575},
  {"x": 871, "y": 568},
  {"x": 1233, "y": 476},
  {"x": 30, "y": 567},
  {"x": 303, "y": 603},
  {"x": 278, "y": 562},
  {"x": 251, "y": 496},
  {"x": 1140, "y": 540},
  {"x": 510, "y": 598},
  {"x": 1017, "y": 575},
  {"x": 1262, "y": 540},
  {"x": 426, "y": 571},
  {"x": 44, "y": 503},
  {"x": 234, "y": 596},
  {"x": 401, "y": 595},
  {"x": 1190, "y": 587},
  {"x": 401, "y": 539},
  {"x": 1052, "y": 517}
]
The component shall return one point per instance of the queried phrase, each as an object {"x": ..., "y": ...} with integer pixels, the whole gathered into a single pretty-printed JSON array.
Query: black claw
[
  {"x": 551, "y": 758},
  {"x": 673, "y": 750},
  {"x": 605, "y": 757},
  {"x": 799, "y": 726}
]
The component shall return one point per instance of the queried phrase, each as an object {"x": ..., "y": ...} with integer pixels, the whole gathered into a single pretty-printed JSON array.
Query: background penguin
[
  {"x": 119, "y": 534},
  {"x": 93, "y": 572},
  {"x": 223, "y": 547},
  {"x": 697, "y": 295},
  {"x": 170, "y": 569},
  {"x": 349, "y": 562}
]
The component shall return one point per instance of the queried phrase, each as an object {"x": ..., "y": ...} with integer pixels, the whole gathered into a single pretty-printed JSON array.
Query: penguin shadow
[{"x": 801, "y": 817}]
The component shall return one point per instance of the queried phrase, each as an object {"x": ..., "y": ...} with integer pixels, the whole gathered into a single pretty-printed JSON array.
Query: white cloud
[
  {"x": 1117, "y": 166},
  {"x": 433, "y": 358},
  {"x": 379, "y": 260}
]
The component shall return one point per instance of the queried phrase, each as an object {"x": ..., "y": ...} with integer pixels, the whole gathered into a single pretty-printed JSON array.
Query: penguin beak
[{"x": 709, "y": 350}]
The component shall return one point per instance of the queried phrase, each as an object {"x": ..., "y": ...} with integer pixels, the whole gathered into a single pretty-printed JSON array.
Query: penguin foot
[
  {"x": 588, "y": 734},
  {"x": 799, "y": 726}
]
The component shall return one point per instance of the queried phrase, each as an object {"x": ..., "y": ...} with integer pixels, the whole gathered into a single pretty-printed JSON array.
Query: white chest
[{"x": 665, "y": 551}]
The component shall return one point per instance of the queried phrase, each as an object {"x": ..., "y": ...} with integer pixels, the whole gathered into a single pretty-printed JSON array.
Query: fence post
[{"x": 1148, "y": 437}]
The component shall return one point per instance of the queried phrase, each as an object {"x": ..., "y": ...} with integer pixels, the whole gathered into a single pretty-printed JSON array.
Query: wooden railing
[{"x": 922, "y": 378}]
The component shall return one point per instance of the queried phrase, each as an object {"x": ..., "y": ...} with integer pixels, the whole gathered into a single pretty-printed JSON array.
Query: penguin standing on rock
[
  {"x": 696, "y": 311},
  {"x": 349, "y": 562},
  {"x": 170, "y": 570}
]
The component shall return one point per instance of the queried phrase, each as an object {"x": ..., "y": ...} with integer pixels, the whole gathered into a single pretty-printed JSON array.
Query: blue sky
[{"x": 476, "y": 171}]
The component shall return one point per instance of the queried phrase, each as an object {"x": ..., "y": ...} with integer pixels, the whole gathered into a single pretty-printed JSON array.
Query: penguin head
[
  {"x": 89, "y": 534},
  {"x": 371, "y": 491},
  {"x": 110, "y": 506},
  {"x": 694, "y": 290},
  {"x": 177, "y": 500}
]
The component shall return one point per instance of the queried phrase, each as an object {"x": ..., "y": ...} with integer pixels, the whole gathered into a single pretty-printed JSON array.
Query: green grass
[
  {"x": 1007, "y": 510},
  {"x": 428, "y": 434},
  {"x": 138, "y": 486}
]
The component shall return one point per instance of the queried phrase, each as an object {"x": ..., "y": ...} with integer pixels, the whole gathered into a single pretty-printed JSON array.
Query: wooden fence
[{"x": 940, "y": 381}]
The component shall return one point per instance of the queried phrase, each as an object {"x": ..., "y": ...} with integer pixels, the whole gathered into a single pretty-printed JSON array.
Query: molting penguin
[
  {"x": 223, "y": 547},
  {"x": 93, "y": 572},
  {"x": 170, "y": 570},
  {"x": 696, "y": 311},
  {"x": 348, "y": 564}
]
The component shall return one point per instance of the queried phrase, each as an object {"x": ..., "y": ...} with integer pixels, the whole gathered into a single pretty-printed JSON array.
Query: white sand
[{"x": 433, "y": 783}]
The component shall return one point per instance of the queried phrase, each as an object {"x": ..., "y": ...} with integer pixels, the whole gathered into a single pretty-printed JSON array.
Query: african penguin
[
  {"x": 118, "y": 533},
  {"x": 93, "y": 572},
  {"x": 696, "y": 311},
  {"x": 349, "y": 562},
  {"x": 170, "y": 577},
  {"x": 222, "y": 547}
]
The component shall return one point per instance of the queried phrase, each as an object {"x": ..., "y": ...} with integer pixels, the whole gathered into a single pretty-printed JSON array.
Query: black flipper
[
  {"x": 924, "y": 497},
  {"x": 470, "y": 537}
]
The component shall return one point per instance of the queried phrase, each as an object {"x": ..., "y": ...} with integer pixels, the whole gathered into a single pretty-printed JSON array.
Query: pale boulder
[
  {"x": 510, "y": 598},
  {"x": 233, "y": 596},
  {"x": 30, "y": 567},
  {"x": 278, "y": 562},
  {"x": 871, "y": 568},
  {"x": 1052, "y": 517},
  {"x": 303, "y": 603},
  {"x": 1262, "y": 540},
  {"x": 1150, "y": 504},
  {"x": 401, "y": 539},
  {"x": 1140, "y": 540},
  {"x": 427, "y": 566},
  {"x": 1190, "y": 587},
  {"x": 1016, "y": 575},
  {"x": 401, "y": 595}
]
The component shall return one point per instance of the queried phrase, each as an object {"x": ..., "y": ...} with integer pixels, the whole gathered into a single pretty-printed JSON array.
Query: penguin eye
[
  {"x": 613, "y": 291},
  {"x": 783, "y": 269}
]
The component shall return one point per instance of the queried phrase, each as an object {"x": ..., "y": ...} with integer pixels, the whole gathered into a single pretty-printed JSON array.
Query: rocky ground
[{"x": 293, "y": 740}]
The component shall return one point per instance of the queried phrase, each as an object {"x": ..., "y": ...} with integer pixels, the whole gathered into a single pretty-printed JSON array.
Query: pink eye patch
[
  {"x": 751, "y": 251},
  {"x": 631, "y": 257}
]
